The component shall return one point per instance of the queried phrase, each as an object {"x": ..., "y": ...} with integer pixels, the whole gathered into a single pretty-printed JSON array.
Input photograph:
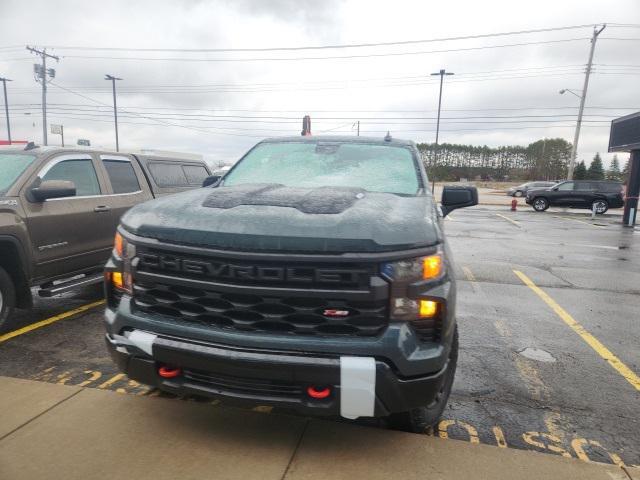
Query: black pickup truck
[
  {"x": 59, "y": 209},
  {"x": 314, "y": 276}
]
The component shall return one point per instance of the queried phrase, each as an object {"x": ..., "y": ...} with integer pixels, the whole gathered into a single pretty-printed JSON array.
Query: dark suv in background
[{"x": 591, "y": 194}]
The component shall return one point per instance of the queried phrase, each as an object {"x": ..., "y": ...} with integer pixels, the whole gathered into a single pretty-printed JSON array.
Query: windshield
[
  {"x": 11, "y": 166},
  {"x": 376, "y": 168}
]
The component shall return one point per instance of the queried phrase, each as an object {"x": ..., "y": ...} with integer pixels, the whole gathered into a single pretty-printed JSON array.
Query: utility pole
[
  {"x": 574, "y": 148},
  {"x": 41, "y": 73},
  {"x": 6, "y": 106},
  {"x": 115, "y": 108},
  {"x": 442, "y": 74}
]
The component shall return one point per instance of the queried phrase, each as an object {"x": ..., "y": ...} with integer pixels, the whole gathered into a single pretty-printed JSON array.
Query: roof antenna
[
  {"x": 306, "y": 126},
  {"x": 387, "y": 137},
  {"x": 30, "y": 146}
]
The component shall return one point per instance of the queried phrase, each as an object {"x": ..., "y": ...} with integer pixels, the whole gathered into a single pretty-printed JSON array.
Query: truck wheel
[
  {"x": 540, "y": 204},
  {"x": 600, "y": 206},
  {"x": 7, "y": 299},
  {"x": 419, "y": 419}
]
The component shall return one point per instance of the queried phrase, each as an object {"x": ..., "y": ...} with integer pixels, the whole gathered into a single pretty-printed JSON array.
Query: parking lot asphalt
[{"x": 548, "y": 308}]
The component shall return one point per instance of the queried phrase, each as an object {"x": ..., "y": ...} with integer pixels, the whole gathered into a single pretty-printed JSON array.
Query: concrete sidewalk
[{"x": 50, "y": 431}]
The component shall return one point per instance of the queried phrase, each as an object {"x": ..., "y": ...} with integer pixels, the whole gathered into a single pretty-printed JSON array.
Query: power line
[
  {"x": 295, "y": 119},
  {"x": 335, "y": 57},
  {"x": 346, "y": 110},
  {"x": 325, "y": 47},
  {"x": 563, "y": 68},
  {"x": 368, "y": 131},
  {"x": 348, "y": 85},
  {"x": 138, "y": 115}
]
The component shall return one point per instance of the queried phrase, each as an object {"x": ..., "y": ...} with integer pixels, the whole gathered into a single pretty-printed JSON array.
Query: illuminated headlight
[
  {"x": 405, "y": 272},
  {"x": 125, "y": 252},
  {"x": 410, "y": 309},
  {"x": 414, "y": 269},
  {"x": 123, "y": 249}
]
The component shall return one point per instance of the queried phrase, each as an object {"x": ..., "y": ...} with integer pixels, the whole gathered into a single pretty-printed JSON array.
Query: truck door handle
[{"x": 102, "y": 208}]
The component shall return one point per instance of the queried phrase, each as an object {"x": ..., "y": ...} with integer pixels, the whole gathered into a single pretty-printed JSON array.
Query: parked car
[
  {"x": 591, "y": 194},
  {"x": 313, "y": 276},
  {"x": 521, "y": 190},
  {"x": 59, "y": 208}
]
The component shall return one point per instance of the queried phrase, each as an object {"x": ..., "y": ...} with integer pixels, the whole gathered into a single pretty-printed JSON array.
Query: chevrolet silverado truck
[
  {"x": 314, "y": 276},
  {"x": 59, "y": 209}
]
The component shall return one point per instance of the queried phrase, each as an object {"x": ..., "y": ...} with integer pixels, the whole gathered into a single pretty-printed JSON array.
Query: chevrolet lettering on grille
[{"x": 259, "y": 273}]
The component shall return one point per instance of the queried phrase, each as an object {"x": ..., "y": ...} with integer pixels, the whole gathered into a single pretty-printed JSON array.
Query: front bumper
[
  {"x": 406, "y": 365},
  {"x": 280, "y": 379}
]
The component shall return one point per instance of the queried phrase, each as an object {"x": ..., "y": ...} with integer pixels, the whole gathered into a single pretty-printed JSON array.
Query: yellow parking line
[
  {"x": 576, "y": 220},
  {"x": 509, "y": 220},
  {"x": 49, "y": 321},
  {"x": 592, "y": 341},
  {"x": 112, "y": 380},
  {"x": 469, "y": 274}
]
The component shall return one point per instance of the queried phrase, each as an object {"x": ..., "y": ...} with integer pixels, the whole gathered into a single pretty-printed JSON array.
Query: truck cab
[{"x": 59, "y": 209}]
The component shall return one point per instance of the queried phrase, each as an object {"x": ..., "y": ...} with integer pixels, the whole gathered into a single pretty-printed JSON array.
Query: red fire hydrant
[{"x": 514, "y": 204}]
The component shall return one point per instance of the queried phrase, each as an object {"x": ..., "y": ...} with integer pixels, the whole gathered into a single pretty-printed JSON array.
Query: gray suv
[{"x": 521, "y": 190}]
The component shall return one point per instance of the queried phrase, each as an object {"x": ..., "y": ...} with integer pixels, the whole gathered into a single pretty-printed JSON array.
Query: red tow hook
[
  {"x": 168, "y": 372},
  {"x": 318, "y": 393}
]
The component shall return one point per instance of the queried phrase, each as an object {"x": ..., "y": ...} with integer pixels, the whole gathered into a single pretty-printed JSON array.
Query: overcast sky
[{"x": 204, "y": 102}]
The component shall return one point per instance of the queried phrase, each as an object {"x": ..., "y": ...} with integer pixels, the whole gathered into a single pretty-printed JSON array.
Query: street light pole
[
  {"x": 442, "y": 74},
  {"x": 574, "y": 148},
  {"x": 6, "y": 106},
  {"x": 115, "y": 108}
]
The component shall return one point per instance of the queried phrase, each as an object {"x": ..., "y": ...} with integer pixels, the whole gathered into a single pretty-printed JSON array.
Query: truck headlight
[
  {"x": 405, "y": 272},
  {"x": 414, "y": 269},
  {"x": 403, "y": 308},
  {"x": 125, "y": 252}
]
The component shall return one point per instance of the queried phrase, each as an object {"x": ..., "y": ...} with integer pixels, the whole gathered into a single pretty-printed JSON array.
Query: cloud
[{"x": 336, "y": 93}]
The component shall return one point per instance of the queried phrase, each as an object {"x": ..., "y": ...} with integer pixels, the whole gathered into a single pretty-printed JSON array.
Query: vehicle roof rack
[{"x": 30, "y": 146}]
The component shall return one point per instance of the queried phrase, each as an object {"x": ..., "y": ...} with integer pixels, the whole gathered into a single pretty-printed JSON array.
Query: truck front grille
[{"x": 257, "y": 313}]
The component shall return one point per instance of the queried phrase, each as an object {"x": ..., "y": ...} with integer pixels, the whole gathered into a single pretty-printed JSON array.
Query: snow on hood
[{"x": 273, "y": 217}]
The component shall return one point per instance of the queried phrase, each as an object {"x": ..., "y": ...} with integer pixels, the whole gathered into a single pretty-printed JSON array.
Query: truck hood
[{"x": 272, "y": 217}]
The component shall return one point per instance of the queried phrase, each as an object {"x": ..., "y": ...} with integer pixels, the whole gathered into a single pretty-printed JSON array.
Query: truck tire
[
  {"x": 7, "y": 299},
  {"x": 419, "y": 419}
]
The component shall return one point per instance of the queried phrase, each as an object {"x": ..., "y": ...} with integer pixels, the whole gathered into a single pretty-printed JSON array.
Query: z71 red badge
[{"x": 336, "y": 313}]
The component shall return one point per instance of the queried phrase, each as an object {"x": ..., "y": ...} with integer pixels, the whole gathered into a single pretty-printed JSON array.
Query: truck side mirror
[
  {"x": 458, "y": 197},
  {"x": 210, "y": 180},
  {"x": 53, "y": 189}
]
